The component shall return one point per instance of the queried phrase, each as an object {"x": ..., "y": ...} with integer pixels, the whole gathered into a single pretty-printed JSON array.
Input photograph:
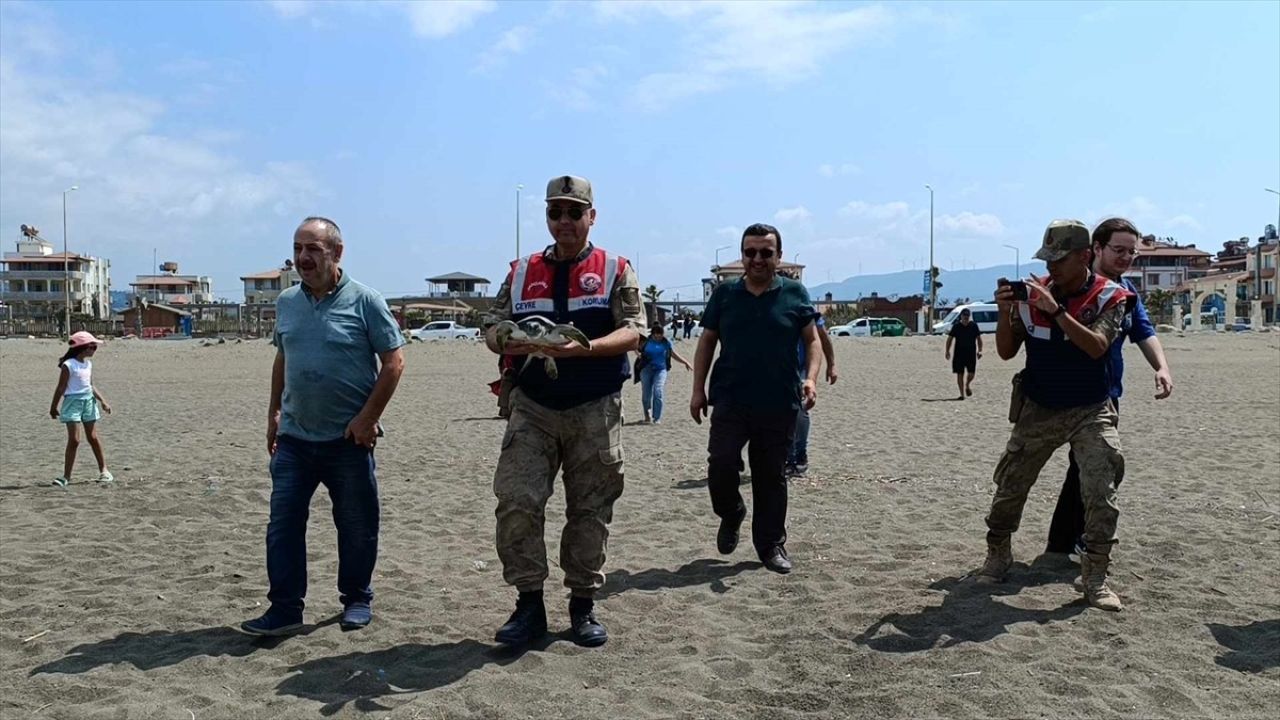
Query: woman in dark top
[{"x": 654, "y": 360}]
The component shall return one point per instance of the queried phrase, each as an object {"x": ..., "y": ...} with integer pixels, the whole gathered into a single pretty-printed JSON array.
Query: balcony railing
[
  {"x": 39, "y": 275},
  {"x": 56, "y": 296}
]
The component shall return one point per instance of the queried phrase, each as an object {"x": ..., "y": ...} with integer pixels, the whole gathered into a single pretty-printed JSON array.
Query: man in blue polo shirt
[
  {"x": 1115, "y": 245},
  {"x": 327, "y": 395},
  {"x": 756, "y": 392}
]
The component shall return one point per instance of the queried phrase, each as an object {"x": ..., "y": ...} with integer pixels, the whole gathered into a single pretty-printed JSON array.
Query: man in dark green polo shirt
[{"x": 757, "y": 320}]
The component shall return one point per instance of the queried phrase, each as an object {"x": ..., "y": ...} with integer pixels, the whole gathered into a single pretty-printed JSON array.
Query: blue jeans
[
  {"x": 653, "y": 389},
  {"x": 799, "y": 452},
  {"x": 347, "y": 470}
]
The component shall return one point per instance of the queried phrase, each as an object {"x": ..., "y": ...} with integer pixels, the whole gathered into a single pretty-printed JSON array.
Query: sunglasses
[
  {"x": 764, "y": 253},
  {"x": 575, "y": 214}
]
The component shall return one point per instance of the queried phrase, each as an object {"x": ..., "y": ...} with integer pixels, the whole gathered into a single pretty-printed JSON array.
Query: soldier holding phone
[{"x": 1067, "y": 323}]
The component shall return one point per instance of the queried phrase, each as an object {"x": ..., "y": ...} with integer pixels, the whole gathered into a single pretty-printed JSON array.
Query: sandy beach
[{"x": 122, "y": 601}]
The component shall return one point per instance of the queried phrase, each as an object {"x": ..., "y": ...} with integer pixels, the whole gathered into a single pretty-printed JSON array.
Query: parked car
[
  {"x": 870, "y": 327},
  {"x": 444, "y": 330},
  {"x": 1242, "y": 324},
  {"x": 985, "y": 314},
  {"x": 1207, "y": 319}
]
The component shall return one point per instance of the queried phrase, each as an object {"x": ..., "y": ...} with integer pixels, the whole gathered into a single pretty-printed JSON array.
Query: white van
[{"x": 985, "y": 314}]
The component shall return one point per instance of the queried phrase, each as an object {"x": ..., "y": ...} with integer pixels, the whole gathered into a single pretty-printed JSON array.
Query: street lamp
[
  {"x": 726, "y": 247},
  {"x": 1277, "y": 194},
  {"x": 1017, "y": 261},
  {"x": 518, "y": 189},
  {"x": 66, "y": 260},
  {"x": 933, "y": 291}
]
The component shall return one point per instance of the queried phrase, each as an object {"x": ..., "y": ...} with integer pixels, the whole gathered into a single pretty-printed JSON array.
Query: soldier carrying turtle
[{"x": 566, "y": 414}]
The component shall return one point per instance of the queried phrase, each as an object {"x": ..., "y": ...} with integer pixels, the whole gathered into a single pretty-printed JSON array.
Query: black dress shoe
[
  {"x": 776, "y": 560},
  {"x": 527, "y": 623},
  {"x": 727, "y": 537}
]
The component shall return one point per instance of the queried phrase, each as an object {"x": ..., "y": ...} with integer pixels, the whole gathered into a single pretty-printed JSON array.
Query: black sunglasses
[
  {"x": 575, "y": 214},
  {"x": 750, "y": 253}
]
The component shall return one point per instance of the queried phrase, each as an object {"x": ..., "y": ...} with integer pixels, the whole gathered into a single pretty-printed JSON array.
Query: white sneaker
[{"x": 105, "y": 477}]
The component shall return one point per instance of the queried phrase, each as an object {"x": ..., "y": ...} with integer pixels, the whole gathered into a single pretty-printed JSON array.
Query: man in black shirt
[
  {"x": 968, "y": 342},
  {"x": 756, "y": 390}
]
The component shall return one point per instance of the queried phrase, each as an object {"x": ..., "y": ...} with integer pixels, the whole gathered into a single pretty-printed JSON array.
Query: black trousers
[
  {"x": 1067, "y": 524},
  {"x": 767, "y": 436}
]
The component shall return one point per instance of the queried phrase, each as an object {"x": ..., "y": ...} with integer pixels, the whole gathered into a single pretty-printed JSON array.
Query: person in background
[{"x": 654, "y": 360}]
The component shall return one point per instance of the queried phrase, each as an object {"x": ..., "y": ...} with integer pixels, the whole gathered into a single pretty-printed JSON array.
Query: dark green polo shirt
[{"x": 758, "y": 365}]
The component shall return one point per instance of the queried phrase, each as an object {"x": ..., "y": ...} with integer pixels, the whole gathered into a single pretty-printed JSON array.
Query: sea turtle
[{"x": 539, "y": 332}]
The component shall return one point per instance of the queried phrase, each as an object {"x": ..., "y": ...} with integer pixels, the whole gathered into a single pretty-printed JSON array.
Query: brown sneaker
[
  {"x": 999, "y": 560},
  {"x": 1093, "y": 575}
]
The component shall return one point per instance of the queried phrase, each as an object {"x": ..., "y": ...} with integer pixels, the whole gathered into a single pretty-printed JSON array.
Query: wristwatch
[{"x": 1060, "y": 311}]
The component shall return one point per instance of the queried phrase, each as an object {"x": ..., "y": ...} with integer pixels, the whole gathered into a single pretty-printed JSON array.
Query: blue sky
[{"x": 208, "y": 130}]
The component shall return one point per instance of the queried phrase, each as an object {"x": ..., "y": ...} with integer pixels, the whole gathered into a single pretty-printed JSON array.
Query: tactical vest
[
  {"x": 1058, "y": 373},
  {"x": 573, "y": 292}
]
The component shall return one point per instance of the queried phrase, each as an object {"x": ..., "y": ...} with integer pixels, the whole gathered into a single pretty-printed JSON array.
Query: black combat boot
[
  {"x": 586, "y": 630},
  {"x": 527, "y": 623}
]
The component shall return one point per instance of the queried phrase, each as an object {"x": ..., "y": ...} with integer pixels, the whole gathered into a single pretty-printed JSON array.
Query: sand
[{"x": 132, "y": 592}]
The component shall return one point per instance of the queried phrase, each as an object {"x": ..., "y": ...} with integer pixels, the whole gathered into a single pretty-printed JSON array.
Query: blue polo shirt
[
  {"x": 803, "y": 350},
  {"x": 1137, "y": 327},
  {"x": 331, "y": 347}
]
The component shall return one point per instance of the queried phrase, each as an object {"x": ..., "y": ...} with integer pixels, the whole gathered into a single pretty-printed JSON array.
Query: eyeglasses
[
  {"x": 764, "y": 253},
  {"x": 1123, "y": 252},
  {"x": 575, "y": 213}
]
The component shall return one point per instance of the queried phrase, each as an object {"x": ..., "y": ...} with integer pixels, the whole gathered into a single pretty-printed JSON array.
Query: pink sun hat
[{"x": 83, "y": 338}]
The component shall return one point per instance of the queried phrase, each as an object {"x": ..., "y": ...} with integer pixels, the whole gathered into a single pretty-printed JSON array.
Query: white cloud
[
  {"x": 728, "y": 231},
  {"x": 836, "y": 170},
  {"x": 580, "y": 90},
  {"x": 512, "y": 42},
  {"x": 778, "y": 43},
  {"x": 967, "y": 224},
  {"x": 1149, "y": 216},
  {"x": 427, "y": 18},
  {"x": 141, "y": 184},
  {"x": 441, "y": 18},
  {"x": 891, "y": 211},
  {"x": 291, "y": 8},
  {"x": 795, "y": 214}
]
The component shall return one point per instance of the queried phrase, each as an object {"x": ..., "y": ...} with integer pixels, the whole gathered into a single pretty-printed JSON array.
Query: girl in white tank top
[{"x": 77, "y": 402}]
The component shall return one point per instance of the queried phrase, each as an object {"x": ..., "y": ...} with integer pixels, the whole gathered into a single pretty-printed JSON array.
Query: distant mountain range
[{"x": 977, "y": 285}]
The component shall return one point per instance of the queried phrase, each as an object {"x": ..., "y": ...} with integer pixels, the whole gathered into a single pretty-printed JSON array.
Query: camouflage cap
[
  {"x": 1062, "y": 238},
  {"x": 569, "y": 187}
]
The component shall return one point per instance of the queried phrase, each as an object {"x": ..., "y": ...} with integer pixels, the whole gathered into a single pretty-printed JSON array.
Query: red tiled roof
[
  {"x": 176, "y": 282},
  {"x": 269, "y": 275}
]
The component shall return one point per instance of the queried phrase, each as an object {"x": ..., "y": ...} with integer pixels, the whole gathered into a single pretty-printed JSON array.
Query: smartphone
[{"x": 1019, "y": 289}]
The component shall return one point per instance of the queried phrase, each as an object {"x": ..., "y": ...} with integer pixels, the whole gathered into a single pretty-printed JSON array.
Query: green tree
[
  {"x": 652, "y": 293},
  {"x": 1160, "y": 303}
]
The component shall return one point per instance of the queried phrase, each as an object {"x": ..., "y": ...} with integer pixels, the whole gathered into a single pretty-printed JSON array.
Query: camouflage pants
[
  {"x": 1039, "y": 431},
  {"x": 586, "y": 443}
]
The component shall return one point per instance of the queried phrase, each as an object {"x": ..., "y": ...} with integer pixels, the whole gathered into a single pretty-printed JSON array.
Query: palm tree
[
  {"x": 652, "y": 293},
  {"x": 1159, "y": 302}
]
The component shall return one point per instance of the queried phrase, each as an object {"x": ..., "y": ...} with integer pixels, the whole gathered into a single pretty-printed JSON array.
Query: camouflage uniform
[
  {"x": 1039, "y": 431},
  {"x": 585, "y": 441}
]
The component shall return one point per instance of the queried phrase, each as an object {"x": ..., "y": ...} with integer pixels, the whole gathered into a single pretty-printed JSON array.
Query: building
[
  {"x": 734, "y": 270},
  {"x": 172, "y": 288},
  {"x": 33, "y": 281},
  {"x": 155, "y": 320},
  {"x": 265, "y": 287},
  {"x": 457, "y": 285},
  {"x": 1163, "y": 265},
  {"x": 1260, "y": 267}
]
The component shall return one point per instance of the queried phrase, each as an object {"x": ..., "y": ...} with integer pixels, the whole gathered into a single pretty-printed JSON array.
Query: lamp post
[
  {"x": 933, "y": 291},
  {"x": 66, "y": 261},
  {"x": 1277, "y": 194},
  {"x": 518, "y": 189},
  {"x": 1017, "y": 261},
  {"x": 725, "y": 247}
]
